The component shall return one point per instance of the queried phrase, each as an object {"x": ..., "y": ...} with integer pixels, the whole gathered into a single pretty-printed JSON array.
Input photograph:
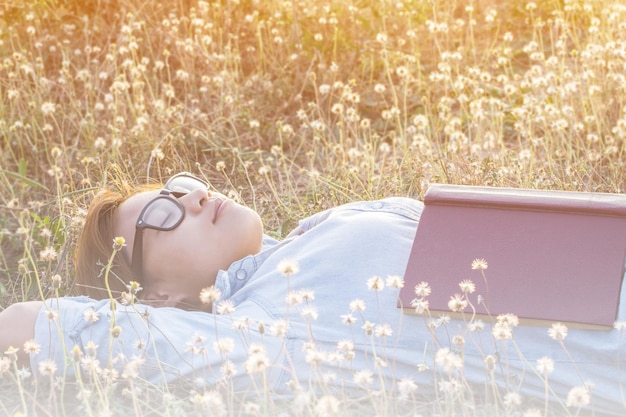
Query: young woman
[{"x": 318, "y": 310}]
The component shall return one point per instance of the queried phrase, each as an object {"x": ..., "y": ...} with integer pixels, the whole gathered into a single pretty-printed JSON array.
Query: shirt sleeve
[{"x": 81, "y": 335}]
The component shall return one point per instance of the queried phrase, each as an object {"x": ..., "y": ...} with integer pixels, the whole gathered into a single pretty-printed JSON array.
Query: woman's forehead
[{"x": 133, "y": 205}]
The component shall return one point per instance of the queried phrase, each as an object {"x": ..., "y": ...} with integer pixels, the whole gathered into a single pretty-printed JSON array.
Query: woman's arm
[{"x": 17, "y": 325}]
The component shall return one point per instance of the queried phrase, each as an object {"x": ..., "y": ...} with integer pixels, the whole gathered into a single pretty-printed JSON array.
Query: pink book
[{"x": 551, "y": 255}]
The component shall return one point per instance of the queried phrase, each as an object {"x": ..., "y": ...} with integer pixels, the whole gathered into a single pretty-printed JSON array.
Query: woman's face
[{"x": 179, "y": 263}]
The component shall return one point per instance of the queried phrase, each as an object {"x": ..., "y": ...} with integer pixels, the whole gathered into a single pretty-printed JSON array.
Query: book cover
[{"x": 551, "y": 255}]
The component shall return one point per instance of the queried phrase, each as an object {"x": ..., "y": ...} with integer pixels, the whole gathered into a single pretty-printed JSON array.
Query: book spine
[{"x": 598, "y": 204}]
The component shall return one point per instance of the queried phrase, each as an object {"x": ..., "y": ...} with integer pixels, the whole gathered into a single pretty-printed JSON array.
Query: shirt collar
[{"x": 241, "y": 271}]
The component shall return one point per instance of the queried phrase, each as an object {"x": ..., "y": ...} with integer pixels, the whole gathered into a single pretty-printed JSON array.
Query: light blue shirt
[{"x": 295, "y": 330}]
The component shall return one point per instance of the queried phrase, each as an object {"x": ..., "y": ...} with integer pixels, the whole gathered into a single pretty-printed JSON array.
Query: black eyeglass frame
[{"x": 170, "y": 195}]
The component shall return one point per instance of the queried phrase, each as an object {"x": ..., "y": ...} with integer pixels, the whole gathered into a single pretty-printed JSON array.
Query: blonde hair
[{"x": 95, "y": 245}]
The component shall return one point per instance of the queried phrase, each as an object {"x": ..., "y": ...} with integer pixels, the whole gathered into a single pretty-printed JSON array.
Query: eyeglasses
[{"x": 164, "y": 212}]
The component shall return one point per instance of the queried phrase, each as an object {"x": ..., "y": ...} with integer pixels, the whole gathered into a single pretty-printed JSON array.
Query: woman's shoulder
[
  {"x": 403, "y": 206},
  {"x": 78, "y": 302},
  {"x": 406, "y": 207}
]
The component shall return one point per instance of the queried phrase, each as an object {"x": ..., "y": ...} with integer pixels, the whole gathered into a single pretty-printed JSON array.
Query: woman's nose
[{"x": 194, "y": 200}]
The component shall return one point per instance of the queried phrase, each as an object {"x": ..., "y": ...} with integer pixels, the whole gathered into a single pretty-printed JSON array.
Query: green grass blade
[{"x": 24, "y": 179}]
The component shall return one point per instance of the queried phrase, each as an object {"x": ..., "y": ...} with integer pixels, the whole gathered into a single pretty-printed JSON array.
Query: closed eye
[{"x": 166, "y": 219}]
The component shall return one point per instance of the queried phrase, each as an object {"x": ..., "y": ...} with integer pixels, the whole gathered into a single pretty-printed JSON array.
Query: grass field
[{"x": 290, "y": 107}]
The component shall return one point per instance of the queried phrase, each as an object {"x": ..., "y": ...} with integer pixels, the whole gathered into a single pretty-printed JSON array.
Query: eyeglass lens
[
  {"x": 184, "y": 184},
  {"x": 163, "y": 213}
]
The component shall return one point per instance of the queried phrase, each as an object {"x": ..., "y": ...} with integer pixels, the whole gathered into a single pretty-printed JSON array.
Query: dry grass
[{"x": 294, "y": 106}]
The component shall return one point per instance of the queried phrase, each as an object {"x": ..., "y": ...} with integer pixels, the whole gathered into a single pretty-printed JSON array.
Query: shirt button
[{"x": 241, "y": 274}]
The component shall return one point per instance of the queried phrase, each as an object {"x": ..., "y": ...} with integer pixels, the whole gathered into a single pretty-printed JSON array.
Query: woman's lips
[{"x": 219, "y": 207}]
